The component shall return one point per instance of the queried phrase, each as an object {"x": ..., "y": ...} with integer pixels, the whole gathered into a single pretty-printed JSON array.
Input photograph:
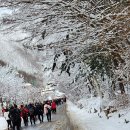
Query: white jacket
[
  {"x": 6, "y": 115},
  {"x": 45, "y": 108}
]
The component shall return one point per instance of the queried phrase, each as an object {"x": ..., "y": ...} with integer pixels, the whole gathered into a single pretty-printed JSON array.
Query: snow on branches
[{"x": 87, "y": 40}]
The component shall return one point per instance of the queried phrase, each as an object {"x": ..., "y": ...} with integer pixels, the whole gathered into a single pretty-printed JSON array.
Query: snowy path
[
  {"x": 47, "y": 125},
  {"x": 3, "y": 123},
  {"x": 53, "y": 125},
  {"x": 57, "y": 120}
]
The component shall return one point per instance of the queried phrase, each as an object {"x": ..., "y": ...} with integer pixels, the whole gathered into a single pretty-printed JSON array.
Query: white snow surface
[
  {"x": 56, "y": 37},
  {"x": 3, "y": 123},
  {"x": 5, "y": 11},
  {"x": 91, "y": 121}
]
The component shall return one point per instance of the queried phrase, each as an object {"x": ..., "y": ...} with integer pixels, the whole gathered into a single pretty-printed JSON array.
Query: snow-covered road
[
  {"x": 59, "y": 122},
  {"x": 3, "y": 123},
  {"x": 45, "y": 125},
  {"x": 39, "y": 126},
  {"x": 42, "y": 126}
]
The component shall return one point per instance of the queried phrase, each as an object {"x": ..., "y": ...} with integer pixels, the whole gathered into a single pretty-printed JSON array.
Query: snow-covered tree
[{"x": 82, "y": 47}]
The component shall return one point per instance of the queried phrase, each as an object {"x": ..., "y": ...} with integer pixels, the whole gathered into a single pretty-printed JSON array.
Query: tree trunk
[
  {"x": 97, "y": 86},
  {"x": 121, "y": 85}
]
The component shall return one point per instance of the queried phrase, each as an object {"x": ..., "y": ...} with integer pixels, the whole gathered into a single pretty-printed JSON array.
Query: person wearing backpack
[
  {"x": 14, "y": 115},
  {"x": 39, "y": 112},
  {"x": 3, "y": 110},
  {"x": 47, "y": 111},
  {"x": 24, "y": 115},
  {"x": 53, "y": 107},
  {"x": 32, "y": 113},
  {"x": 6, "y": 115}
]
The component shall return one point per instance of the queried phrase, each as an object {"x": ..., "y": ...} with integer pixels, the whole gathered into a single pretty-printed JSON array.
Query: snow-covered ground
[
  {"x": 91, "y": 121},
  {"x": 5, "y": 11},
  {"x": 3, "y": 124}
]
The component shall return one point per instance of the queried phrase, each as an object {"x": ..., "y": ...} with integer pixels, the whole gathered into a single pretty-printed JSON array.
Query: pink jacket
[{"x": 45, "y": 108}]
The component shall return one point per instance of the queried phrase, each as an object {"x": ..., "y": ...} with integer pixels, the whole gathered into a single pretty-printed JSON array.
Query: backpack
[
  {"x": 31, "y": 111},
  {"x": 16, "y": 115},
  {"x": 24, "y": 113}
]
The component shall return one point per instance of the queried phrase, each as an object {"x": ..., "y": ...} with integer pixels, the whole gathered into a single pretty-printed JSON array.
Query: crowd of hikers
[{"x": 30, "y": 112}]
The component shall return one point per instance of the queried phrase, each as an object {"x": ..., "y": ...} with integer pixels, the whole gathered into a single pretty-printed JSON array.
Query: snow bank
[
  {"x": 94, "y": 121},
  {"x": 3, "y": 124},
  {"x": 90, "y": 104},
  {"x": 56, "y": 37}
]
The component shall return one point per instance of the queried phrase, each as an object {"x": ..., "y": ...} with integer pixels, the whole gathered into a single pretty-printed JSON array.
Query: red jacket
[
  {"x": 24, "y": 112},
  {"x": 53, "y": 105}
]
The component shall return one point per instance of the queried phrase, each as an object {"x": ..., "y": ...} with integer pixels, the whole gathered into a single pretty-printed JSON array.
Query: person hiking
[
  {"x": 3, "y": 110},
  {"x": 32, "y": 113},
  {"x": 47, "y": 111},
  {"x": 6, "y": 115},
  {"x": 53, "y": 107},
  {"x": 14, "y": 115},
  {"x": 24, "y": 115},
  {"x": 39, "y": 112}
]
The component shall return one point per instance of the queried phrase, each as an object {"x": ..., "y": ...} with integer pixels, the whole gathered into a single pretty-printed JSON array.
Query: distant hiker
[
  {"x": 47, "y": 111},
  {"x": 6, "y": 115},
  {"x": 39, "y": 112},
  {"x": 14, "y": 115},
  {"x": 43, "y": 34},
  {"x": 62, "y": 101},
  {"x": 43, "y": 104},
  {"x": 67, "y": 37},
  {"x": 49, "y": 103},
  {"x": 65, "y": 99},
  {"x": 24, "y": 115},
  {"x": 3, "y": 110},
  {"x": 32, "y": 113},
  {"x": 53, "y": 106}
]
